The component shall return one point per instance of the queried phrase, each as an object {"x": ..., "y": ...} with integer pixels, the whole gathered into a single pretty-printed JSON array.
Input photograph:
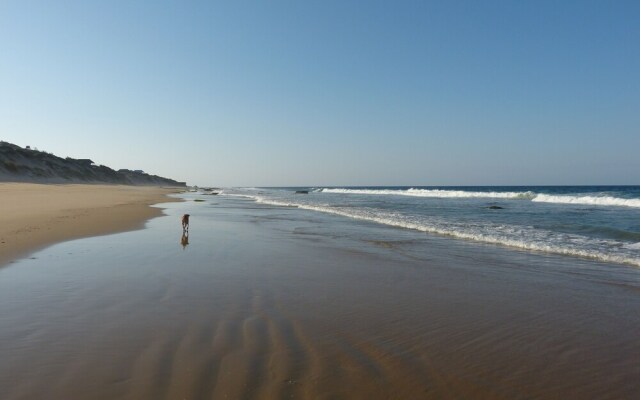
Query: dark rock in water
[
  {"x": 495, "y": 208},
  {"x": 302, "y": 192}
]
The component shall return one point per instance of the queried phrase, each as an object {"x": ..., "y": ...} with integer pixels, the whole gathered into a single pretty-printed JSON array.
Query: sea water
[{"x": 595, "y": 222}]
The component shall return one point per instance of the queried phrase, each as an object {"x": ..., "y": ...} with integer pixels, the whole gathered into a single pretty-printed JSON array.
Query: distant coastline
[{"x": 19, "y": 164}]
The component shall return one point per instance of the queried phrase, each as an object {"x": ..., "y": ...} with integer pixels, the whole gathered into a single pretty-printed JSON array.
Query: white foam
[
  {"x": 587, "y": 200},
  {"x": 436, "y": 193},
  {"x": 536, "y": 197},
  {"x": 526, "y": 239},
  {"x": 246, "y": 196}
]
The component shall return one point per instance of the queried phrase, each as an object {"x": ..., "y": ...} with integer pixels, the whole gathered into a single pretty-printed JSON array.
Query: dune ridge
[{"x": 19, "y": 164}]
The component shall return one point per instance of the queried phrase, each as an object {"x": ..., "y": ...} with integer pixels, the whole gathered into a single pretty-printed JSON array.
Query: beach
[
  {"x": 36, "y": 215},
  {"x": 320, "y": 200},
  {"x": 268, "y": 302}
]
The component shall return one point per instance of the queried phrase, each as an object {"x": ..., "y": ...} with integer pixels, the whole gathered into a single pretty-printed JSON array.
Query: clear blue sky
[{"x": 342, "y": 92}]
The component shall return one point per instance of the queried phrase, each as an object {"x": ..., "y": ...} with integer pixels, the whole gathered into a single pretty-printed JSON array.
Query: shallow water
[
  {"x": 277, "y": 302},
  {"x": 596, "y": 222}
]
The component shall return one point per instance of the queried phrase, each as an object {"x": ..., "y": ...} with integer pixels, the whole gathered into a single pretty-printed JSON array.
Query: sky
[{"x": 329, "y": 93}]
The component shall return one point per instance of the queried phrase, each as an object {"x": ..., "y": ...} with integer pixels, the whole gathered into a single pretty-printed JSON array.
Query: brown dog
[{"x": 185, "y": 222}]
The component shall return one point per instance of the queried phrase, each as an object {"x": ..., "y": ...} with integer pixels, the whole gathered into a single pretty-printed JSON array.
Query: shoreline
[{"x": 37, "y": 215}]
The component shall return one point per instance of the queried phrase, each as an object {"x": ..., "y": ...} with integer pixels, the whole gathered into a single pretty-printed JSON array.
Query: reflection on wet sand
[{"x": 184, "y": 240}]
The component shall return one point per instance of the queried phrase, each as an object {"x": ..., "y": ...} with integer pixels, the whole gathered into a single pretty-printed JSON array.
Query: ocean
[{"x": 594, "y": 222}]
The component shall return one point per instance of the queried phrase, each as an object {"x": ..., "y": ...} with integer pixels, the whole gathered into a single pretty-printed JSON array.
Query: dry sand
[{"x": 37, "y": 215}]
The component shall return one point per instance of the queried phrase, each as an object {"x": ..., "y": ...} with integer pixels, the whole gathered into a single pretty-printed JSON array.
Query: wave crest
[
  {"x": 591, "y": 200},
  {"x": 435, "y": 193},
  {"x": 587, "y": 200}
]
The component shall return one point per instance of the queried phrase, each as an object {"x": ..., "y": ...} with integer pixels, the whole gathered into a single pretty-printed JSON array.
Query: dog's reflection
[{"x": 184, "y": 240}]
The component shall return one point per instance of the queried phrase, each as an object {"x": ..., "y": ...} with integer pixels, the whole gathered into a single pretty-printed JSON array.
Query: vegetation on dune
[{"x": 19, "y": 164}]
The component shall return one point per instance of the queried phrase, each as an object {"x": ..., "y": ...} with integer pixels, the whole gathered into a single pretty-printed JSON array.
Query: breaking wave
[
  {"x": 438, "y": 193},
  {"x": 587, "y": 200},
  {"x": 592, "y": 200}
]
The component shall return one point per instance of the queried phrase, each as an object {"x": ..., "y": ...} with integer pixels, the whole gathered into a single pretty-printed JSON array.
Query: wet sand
[
  {"x": 274, "y": 303},
  {"x": 37, "y": 215}
]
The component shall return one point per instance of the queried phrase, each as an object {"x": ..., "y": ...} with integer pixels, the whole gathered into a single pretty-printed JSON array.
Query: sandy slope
[{"x": 33, "y": 216}]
